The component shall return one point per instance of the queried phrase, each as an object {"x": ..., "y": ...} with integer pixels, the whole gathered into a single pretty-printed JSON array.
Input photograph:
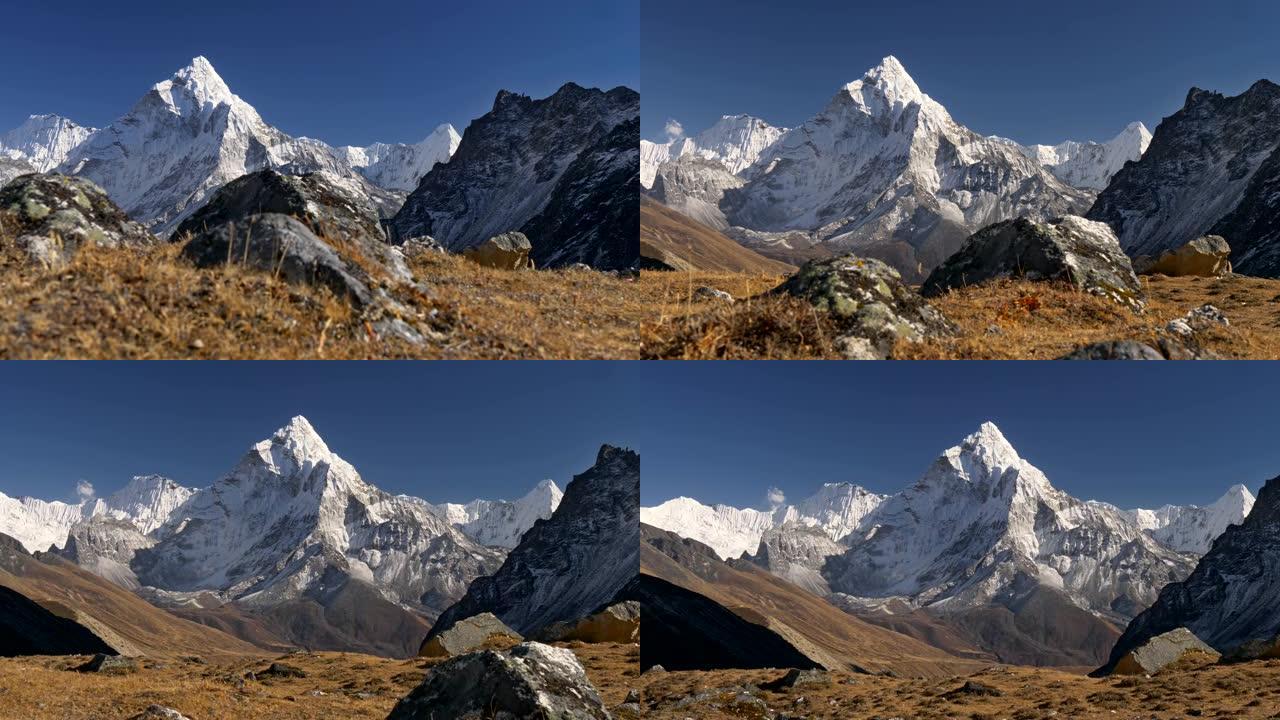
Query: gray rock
[
  {"x": 281, "y": 245},
  {"x": 796, "y": 678},
  {"x": 467, "y": 635},
  {"x": 1069, "y": 249},
  {"x": 1115, "y": 350},
  {"x": 1160, "y": 651},
  {"x": 868, "y": 301},
  {"x": 53, "y": 216},
  {"x": 709, "y": 293},
  {"x": 508, "y": 251},
  {"x": 1251, "y": 650},
  {"x": 159, "y": 712},
  {"x": 530, "y": 681},
  {"x": 110, "y": 664},
  {"x": 281, "y": 670},
  {"x": 1208, "y": 256},
  {"x": 973, "y": 687},
  {"x": 423, "y": 245},
  {"x": 618, "y": 623}
]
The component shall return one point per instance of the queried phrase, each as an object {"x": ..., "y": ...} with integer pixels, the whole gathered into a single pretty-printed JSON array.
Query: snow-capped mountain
[
  {"x": 43, "y": 141},
  {"x": 145, "y": 503},
  {"x": 293, "y": 520},
  {"x": 501, "y": 523},
  {"x": 1192, "y": 529},
  {"x": 837, "y": 509},
  {"x": 735, "y": 141},
  {"x": 884, "y": 170},
  {"x": 187, "y": 137},
  {"x": 400, "y": 166},
  {"x": 1089, "y": 165},
  {"x": 1213, "y": 167},
  {"x": 1232, "y": 597},
  {"x": 564, "y": 170},
  {"x": 694, "y": 186},
  {"x": 572, "y": 563},
  {"x": 12, "y": 167}
]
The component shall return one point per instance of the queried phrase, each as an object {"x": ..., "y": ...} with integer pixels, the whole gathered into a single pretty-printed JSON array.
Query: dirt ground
[
  {"x": 1196, "y": 688},
  {"x": 337, "y": 685},
  {"x": 1001, "y": 320}
]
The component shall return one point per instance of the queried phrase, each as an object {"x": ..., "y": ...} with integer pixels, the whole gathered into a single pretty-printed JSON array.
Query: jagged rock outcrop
[
  {"x": 52, "y": 216},
  {"x": 13, "y": 167},
  {"x": 1159, "y": 652},
  {"x": 694, "y": 186},
  {"x": 1208, "y": 256},
  {"x": 1071, "y": 249},
  {"x": 869, "y": 302},
  {"x": 467, "y": 635},
  {"x": 1233, "y": 595},
  {"x": 569, "y": 565},
  {"x": 1212, "y": 168},
  {"x": 564, "y": 170},
  {"x": 530, "y": 681}
]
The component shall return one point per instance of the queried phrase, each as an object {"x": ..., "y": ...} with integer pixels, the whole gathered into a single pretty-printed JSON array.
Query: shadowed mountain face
[{"x": 26, "y": 628}]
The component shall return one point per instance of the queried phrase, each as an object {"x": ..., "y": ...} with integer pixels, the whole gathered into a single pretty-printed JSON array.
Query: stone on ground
[
  {"x": 619, "y": 623},
  {"x": 508, "y": 251},
  {"x": 52, "y": 216},
  {"x": 1208, "y": 256},
  {"x": 467, "y": 635},
  {"x": 1115, "y": 350},
  {"x": 1161, "y": 651}
]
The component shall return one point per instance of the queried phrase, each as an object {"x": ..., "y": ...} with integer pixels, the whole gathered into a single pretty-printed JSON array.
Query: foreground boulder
[
  {"x": 1069, "y": 249},
  {"x": 869, "y": 302},
  {"x": 618, "y": 623},
  {"x": 1208, "y": 256},
  {"x": 1251, "y": 650},
  {"x": 53, "y": 216},
  {"x": 530, "y": 681},
  {"x": 281, "y": 245},
  {"x": 508, "y": 251},
  {"x": 467, "y": 635},
  {"x": 1160, "y": 651},
  {"x": 1115, "y": 350}
]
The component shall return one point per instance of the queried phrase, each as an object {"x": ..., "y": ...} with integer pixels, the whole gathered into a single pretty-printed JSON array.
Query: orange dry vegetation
[
  {"x": 337, "y": 685},
  {"x": 1000, "y": 320}
]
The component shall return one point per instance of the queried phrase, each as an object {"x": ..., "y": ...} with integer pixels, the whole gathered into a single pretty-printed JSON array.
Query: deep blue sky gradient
[
  {"x": 1137, "y": 434},
  {"x": 1039, "y": 72},
  {"x": 348, "y": 73},
  {"x": 441, "y": 431}
]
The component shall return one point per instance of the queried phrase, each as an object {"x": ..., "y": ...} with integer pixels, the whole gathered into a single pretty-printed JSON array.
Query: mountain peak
[
  {"x": 887, "y": 86},
  {"x": 195, "y": 87}
]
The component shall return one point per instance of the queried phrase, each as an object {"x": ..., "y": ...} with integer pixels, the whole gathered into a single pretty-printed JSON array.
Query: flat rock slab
[
  {"x": 1208, "y": 256},
  {"x": 618, "y": 623},
  {"x": 508, "y": 251},
  {"x": 467, "y": 635},
  {"x": 1161, "y": 651}
]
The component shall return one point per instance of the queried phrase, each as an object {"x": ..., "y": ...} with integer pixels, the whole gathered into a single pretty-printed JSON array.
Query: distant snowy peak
[
  {"x": 736, "y": 141},
  {"x": 1090, "y": 165},
  {"x": 886, "y": 89},
  {"x": 43, "y": 141},
  {"x": 400, "y": 166},
  {"x": 1193, "y": 529},
  {"x": 195, "y": 88},
  {"x": 502, "y": 523}
]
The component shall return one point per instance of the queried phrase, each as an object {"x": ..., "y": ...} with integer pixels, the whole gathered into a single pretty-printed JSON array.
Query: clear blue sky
[
  {"x": 343, "y": 72},
  {"x": 1034, "y": 71},
  {"x": 442, "y": 431},
  {"x": 1136, "y": 434}
]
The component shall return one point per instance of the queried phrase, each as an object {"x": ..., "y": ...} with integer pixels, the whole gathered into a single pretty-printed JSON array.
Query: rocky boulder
[
  {"x": 1254, "y": 650},
  {"x": 508, "y": 251},
  {"x": 1070, "y": 249},
  {"x": 109, "y": 664},
  {"x": 52, "y": 216},
  {"x": 1115, "y": 350},
  {"x": 530, "y": 681},
  {"x": 1160, "y": 651},
  {"x": 1208, "y": 256},
  {"x": 872, "y": 306},
  {"x": 618, "y": 623},
  {"x": 467, "y": 635},
  {"x": 281, "y": 245},
  {"x": 159, "y": 712}
]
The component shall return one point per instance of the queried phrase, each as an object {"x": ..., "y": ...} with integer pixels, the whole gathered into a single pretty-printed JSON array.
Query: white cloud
[
  {"x": 775, "y": 497},
  {"x": 84, "y": 490},
  {"x": 674, "y": 129}
]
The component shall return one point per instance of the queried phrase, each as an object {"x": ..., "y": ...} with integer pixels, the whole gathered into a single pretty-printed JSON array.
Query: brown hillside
[{"x": 686, "y": 244}]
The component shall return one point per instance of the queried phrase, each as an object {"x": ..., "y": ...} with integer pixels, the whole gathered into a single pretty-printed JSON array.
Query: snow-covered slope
[
  {"x": 400, "y": 166},
  {"x": 44, "y": 141},
  {"x": 146, "y": 503},
  {"x": 885, "y": 171},
  {"x": 1089, "y": 165},
  {"x": 1192, "y": 529},
  {"x": 12, "y": 167},
  {"x": 735, "y": 141},
  {"x": 501, "y": 523},
  {"x": 187, "y": 137},
  {"x": 837, "y": 509}
]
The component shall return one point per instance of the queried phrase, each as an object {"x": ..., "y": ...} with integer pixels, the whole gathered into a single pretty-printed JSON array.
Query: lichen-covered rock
[
  {"x": 531, "y": 681},
  {"x": 508, "y": 251},
  {"x": 110, "y": 665},
  {"x": 53, "y": 216},
  {"x": 618, "y": 623},
  {"x": 1159, "y": 652},
  {"x": 281, "y": 245},
  {"x": 467, "y": 635},
  {"x": 868, "y": 301},
  {"x": 159, "y": 712},
  {"x": 421, "y": 246},
  {"x": 1115, "y": 350},
  {"x": 1208, "y": 256},
  {"x": 707, "y": 292},
  {"x": 1070, "y": 249}
]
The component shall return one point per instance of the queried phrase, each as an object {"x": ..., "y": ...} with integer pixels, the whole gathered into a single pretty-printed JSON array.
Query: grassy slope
[{"x": 686, "y": 244}]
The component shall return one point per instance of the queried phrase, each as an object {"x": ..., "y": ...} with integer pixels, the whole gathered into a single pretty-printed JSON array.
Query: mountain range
[{"x": 982, "y": 540}]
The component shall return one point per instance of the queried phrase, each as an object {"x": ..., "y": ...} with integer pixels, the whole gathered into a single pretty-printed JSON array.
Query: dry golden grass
[
  {"x": 1194, "y": 689},
  {"x": 1001, "y": 320},
  {"x": 337, "y": 685},
  {"x": 153, "y": 304}
]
